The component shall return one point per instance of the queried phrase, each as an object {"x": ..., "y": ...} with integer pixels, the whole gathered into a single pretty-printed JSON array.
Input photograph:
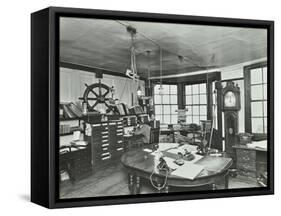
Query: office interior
[{"x": 131, "y": 88}]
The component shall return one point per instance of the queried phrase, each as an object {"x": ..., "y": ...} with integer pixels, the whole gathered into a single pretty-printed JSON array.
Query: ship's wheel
[{"x": 97, "y": 95}]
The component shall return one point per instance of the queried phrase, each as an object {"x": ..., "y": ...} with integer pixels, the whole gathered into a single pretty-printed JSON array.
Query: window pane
[
  {"x": 256, "y": 76},
  {"x": 173, "y": 89},
  {"x": 256, "y": 92},
  {"x": 203, "y": 110},
  {"x": 196, "y": 119},
  {"x": 257, "y": 109},
  {"x": 257, "y": 125},
  {"x": 174, "y": 99},
  {"x": 195, "y": 99},
  {"x": 173, "y": 109},
  {"x": 265, "y": 91},
  {"x": 188, "y": 90},
  {"x": 156, "y": 89},
  {"x": 166, "y": 99},
  {"x": 202, "y": 88},
  {"x": 158, "y": 117},
  {"x": 195, "y": 89},
  {"x": 265, "y": 108},
  {"x": 189, "y": 108},
  {"x": 157, "y": 99},
  {"x": 174, "y": 119},
  {"x": 167, "y": 119},
  {"x": 188, "y": 119},
  {"x": 264, "y": 70},
  {"x": 203, "y": 117},
  {"x": 203, "y": 99},
  {"x": 188, "y": 100},
  {"x": 166, "y": 89},
  {"x": 195, "y": 110},
  {"x": 158, "y": 109},
  {"x": 166, "y": 109}
]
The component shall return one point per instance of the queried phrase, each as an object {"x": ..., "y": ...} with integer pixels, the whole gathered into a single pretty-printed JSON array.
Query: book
[
  {"x": 75, "y": 110},
  {"x": 188, "y": 171}
]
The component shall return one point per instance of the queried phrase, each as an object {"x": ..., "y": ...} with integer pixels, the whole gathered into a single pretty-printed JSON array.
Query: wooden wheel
[{"x": 95, "y": 94}]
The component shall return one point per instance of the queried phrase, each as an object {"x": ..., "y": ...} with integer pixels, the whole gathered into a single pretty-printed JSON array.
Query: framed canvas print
[{"x": 138, "y": 107}]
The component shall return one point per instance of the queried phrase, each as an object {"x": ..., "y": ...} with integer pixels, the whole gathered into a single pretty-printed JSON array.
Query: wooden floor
[{"x": 112, "y": 181}]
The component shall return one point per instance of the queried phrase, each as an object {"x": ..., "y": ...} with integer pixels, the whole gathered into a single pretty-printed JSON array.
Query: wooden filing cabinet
[{"x": 250, "y": 161}]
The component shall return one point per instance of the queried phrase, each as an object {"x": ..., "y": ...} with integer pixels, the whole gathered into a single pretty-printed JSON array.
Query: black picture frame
[{"x": 45, "y": 102}]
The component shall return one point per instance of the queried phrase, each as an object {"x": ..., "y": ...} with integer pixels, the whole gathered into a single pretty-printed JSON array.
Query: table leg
[
  {"x": 214, "y": 186},
  {"x": 226, "y": 181},
  {"x": 138, "y": 185},
  {"x": 131, "y": 183}
]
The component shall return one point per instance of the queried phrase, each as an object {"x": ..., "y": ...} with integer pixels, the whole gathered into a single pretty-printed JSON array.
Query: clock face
[{"x": 229, "y": 99}]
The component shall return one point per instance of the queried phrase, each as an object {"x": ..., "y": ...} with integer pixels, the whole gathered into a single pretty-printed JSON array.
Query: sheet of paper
[
  {"x": 188, "y": 171},
  {"x": 258, "y": 144},
  {"x": 76, "y": 135},
  {"x": 170, "y": 163}
]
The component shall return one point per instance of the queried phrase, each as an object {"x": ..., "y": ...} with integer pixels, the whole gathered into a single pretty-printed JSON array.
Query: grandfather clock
[{"x": 230, "y": 105}]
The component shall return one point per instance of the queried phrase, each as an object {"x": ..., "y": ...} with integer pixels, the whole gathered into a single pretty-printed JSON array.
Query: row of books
[{"x": 71, "y": 110}]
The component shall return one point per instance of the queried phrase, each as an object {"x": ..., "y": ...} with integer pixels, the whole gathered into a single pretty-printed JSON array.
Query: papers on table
[
  {"x": 259, "y": 144},
  {"x": 165, "y": 146},
  {"x": 147, "y": 150},
  {"x": 188, "y": 171}
]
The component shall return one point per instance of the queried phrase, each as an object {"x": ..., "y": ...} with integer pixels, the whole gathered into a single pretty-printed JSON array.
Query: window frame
[{"x": 248, "y": 98}]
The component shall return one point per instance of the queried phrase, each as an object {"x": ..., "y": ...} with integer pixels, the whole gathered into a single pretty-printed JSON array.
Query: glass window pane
[
  {"x": 188, "y": 119},
  {"x": 203, "y": 99},
  {"x": 166, "y": 99},
  {"x": 159, "y": 117},
  {"x": 157, "y": 99},
  {"x": 257, "y": 125},
  {"x": 195, "y": 89},
  {"x": 167, "y": 119},
  {"x": 265, "y": 108},
  {"x": 256, "y": 92},
  {"x": 195, "y": 99},
  {"x": 265, "y": 91},
  {"x": 256, "y": 76},
  {"x": 196, "y": 119},
  {"x": 202, "y": 88},
  {"x": 166, "y": 109},
  {"x": 156, "y": 89},
  {"x": 166, "y": 89},
  {"x": 195, "y": 110},
  {"x": 203, "y": 110},
  {"x": 174, "y": 99},
  {"x": 203, "y": 117},
  {"x": 188, "y": 89},
  {"x": 264, "y": 70},
  {"x": 189, "y": 110},
  {"x": 188, "y": 100},
  {"x": 158, "y": 109},
  {"x": 174, "y": 119},
  {"x": 173, "y": 89},
  {"x": 257, "y": 109},
  {"x": 173, "y": 109}
]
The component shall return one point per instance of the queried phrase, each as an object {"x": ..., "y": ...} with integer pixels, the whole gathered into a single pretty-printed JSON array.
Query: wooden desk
[
  {"x": 250, "y": 162},
  {"x": 140, "y": 164}
]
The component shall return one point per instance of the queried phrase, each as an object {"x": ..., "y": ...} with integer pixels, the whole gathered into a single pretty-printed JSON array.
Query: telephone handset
[{"x": 163, "y": 166}]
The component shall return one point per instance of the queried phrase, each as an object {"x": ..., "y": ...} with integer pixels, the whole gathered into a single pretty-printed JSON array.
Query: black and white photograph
[{"x": 151, "y": 107}]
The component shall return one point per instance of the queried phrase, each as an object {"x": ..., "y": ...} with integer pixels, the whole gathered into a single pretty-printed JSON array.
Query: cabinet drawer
[
  {"x": 250, "y": 166},
  {"x": 245, "y": 155}
]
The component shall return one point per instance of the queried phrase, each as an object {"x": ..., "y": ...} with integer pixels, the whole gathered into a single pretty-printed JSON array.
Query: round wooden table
[{"x": 140, "y": 164}]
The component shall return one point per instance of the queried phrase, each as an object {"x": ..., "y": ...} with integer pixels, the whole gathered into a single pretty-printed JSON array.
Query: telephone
[{"x": 163, "y": 166}]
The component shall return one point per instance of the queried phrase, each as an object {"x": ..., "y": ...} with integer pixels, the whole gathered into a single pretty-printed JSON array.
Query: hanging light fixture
[{"x": 132, "y": 72}]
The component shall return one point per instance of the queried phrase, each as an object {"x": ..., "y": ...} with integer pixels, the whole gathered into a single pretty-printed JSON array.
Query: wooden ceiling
[{"x": 106, "y": 44}]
